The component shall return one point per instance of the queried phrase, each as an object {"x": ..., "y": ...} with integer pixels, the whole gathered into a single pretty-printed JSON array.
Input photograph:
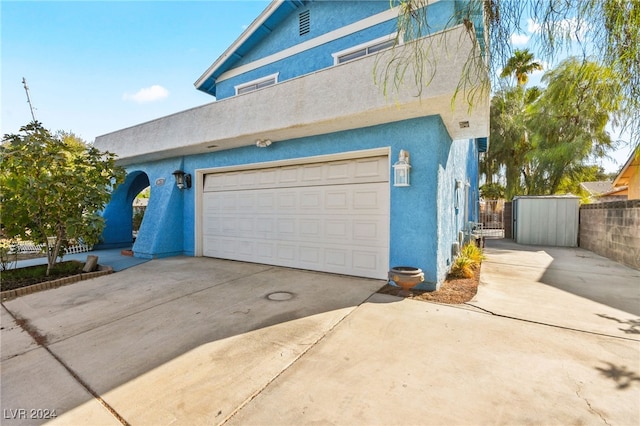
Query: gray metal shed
[{"x": 546, "y": 220}]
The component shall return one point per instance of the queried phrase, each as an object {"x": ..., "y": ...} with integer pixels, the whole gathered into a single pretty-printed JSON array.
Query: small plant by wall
[{"x": 467, "y": 262}]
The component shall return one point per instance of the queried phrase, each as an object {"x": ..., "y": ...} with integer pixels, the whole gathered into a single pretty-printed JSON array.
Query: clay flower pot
[{"x": 406, "y": 277}]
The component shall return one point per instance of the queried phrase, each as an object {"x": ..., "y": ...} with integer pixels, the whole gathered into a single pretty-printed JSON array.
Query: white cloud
[
  {"x": 571, "y": 27},
  {"x": 147, "y": 94},
  {"x": 532, "y": 26},
  {"x": 519, "y": 39}
]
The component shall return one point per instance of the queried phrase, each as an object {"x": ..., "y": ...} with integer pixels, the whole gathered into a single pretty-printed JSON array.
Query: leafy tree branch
[{"x": 53, "y": 187}]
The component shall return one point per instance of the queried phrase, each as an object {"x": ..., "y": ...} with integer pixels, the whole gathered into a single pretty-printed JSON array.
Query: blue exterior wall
[
  {"x": 168, "y": 227},
  {"x": 118, "y": 213},
  {"x": 325, "y": 17},
  {"x": 458, "y": 162},
  {"x": 424, "y": 220}
]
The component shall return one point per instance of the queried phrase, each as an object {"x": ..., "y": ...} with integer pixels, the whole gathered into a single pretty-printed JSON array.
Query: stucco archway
[{"x": 118, "y": 214}]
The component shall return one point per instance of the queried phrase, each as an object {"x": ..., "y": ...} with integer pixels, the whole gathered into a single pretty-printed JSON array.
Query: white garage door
[{"x": 331, "y": 217}]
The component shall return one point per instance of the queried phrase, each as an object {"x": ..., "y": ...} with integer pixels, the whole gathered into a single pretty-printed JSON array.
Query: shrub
[
  {"x": 473, "y": 252},
  {"x": 463, "y": 267},
  {"x": 467, "y": 262}
]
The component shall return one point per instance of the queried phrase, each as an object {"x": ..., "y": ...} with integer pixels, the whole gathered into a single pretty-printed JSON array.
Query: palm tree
[{"x": 521, "y": 64}]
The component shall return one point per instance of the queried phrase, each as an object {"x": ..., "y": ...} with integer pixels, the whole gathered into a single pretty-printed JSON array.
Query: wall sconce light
[
  {"x": 401, "y": 170},
  {"x": 263, "y": 143},
  {"x": 183, "y": 180}
]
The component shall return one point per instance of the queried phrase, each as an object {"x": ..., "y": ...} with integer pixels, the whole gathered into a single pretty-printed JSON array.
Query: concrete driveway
[{"x": 203, "y": 341}]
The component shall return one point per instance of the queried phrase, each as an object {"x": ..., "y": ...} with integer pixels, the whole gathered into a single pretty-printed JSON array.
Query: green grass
[{"x": 22, "y": 277}]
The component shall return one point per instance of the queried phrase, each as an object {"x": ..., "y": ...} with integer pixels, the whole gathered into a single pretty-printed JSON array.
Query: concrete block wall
[{"x": 612, "y": 230}]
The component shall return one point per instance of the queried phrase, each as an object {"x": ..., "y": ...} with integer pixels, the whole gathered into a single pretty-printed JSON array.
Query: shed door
[{"x": 331, "y": 217}]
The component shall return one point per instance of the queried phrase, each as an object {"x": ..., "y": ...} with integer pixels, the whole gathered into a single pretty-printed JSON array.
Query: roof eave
[
  {"x": 246, "y": 34},
  {"x": 622, "y": 175}
]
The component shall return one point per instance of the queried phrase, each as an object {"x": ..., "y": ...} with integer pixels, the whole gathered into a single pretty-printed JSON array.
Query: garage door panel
[
  {"x": 265, "y": 251},
  {"x": 365, "y": 260},
  {"x": 336, "y": 229},
  {"x": 246, "y": 226},
  {"x": 247, "y": 179},
  {"x": 311, "y": 257},
  {"x": 286, "y": 228},
  {"x": 246, "y": 248},
  {"x": 246, "y": 202},
  {"x": 286, "y": 253},
  {"x": 287, "y": 200},
  {"x": 289, "y": 175},
  {"x": 367, "y": 231},
  {"x": 310, "y": 228},
  {"x": 229, "y": 202},
  {"x": 268, "y": 178},
  {"x": 265, "y": 227},
  {"x": 374, "y": 169},
  {"x": 311, "y": 174},
  {"x": 265, "y": 202},
  {"x": 336, "y": 200},
  {"x": 366, "y": 199},
  {"x": 311, "y": 200},
  {"x": 337, "y": 258},
  {"x": 341, "y": 228},
  {"x": 338, "y": 170},
  {"x": 370, "y": 168}
]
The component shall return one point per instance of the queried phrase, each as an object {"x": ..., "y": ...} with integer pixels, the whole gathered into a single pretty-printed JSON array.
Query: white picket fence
[{"x": 28, "y": 247}]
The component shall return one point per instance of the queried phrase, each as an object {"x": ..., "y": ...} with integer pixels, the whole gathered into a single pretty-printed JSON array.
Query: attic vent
[{"x": 305, "y": 25}]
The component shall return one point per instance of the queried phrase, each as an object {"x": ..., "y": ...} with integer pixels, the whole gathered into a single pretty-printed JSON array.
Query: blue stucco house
[{"x": 293, "y": 163}]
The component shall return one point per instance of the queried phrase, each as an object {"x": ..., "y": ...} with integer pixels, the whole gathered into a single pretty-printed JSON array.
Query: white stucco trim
[
  {"x": 200, "y": 174},
  {"x": 306, "y": 106},
  {"x": 310, "y": 44}
]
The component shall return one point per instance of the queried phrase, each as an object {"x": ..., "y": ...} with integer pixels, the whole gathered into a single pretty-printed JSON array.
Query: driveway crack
[
  {"x": 42, "y": 341},
  {"x": 547, "y": 324},
  {"x": 288, "y": 366},
  {"x": 591, "y": 408}
]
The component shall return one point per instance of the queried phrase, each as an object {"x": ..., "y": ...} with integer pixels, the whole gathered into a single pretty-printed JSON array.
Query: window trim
[
  {"x": 366, "y": 45},
  {"x": 256, "y": 82}
]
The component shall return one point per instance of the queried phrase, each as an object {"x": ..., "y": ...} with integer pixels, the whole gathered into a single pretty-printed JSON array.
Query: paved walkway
[
  {"x": 110, "y": 257},
  {"x": 204, "y": 341}
]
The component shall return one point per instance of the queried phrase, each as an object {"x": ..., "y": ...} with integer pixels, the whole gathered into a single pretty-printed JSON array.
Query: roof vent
[{"x": 305, "y": 24}]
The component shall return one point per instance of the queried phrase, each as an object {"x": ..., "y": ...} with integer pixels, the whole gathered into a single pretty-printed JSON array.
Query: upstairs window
[
  {"x": 364, "y": 49},
  {"x": 257, "y": 84},
  {"x": 305, "y": 23}
]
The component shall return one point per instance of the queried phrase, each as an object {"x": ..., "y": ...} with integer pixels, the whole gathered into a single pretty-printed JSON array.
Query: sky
[{"x": 94, "y": 67}]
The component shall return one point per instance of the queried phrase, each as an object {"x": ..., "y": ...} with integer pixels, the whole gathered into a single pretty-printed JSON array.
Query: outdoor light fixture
[
  {"x": 183, "y": 180},
  {"x": 263, "y": 143},
  {"x": 401, "y": 170}
]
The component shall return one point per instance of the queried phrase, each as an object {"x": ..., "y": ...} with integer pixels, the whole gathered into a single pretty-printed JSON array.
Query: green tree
[
  {"x": 568, "y": 123},
  {"x": 607, "y": 31},
  {"x": 521, "y": 64},
  {"x": 54, "y": 186},
  {"x": 492, "y": 191},
  {"x": 541, "y": 139},
  {"x": 510, "y": 141},
  {"x": 582, "y": 173}
]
